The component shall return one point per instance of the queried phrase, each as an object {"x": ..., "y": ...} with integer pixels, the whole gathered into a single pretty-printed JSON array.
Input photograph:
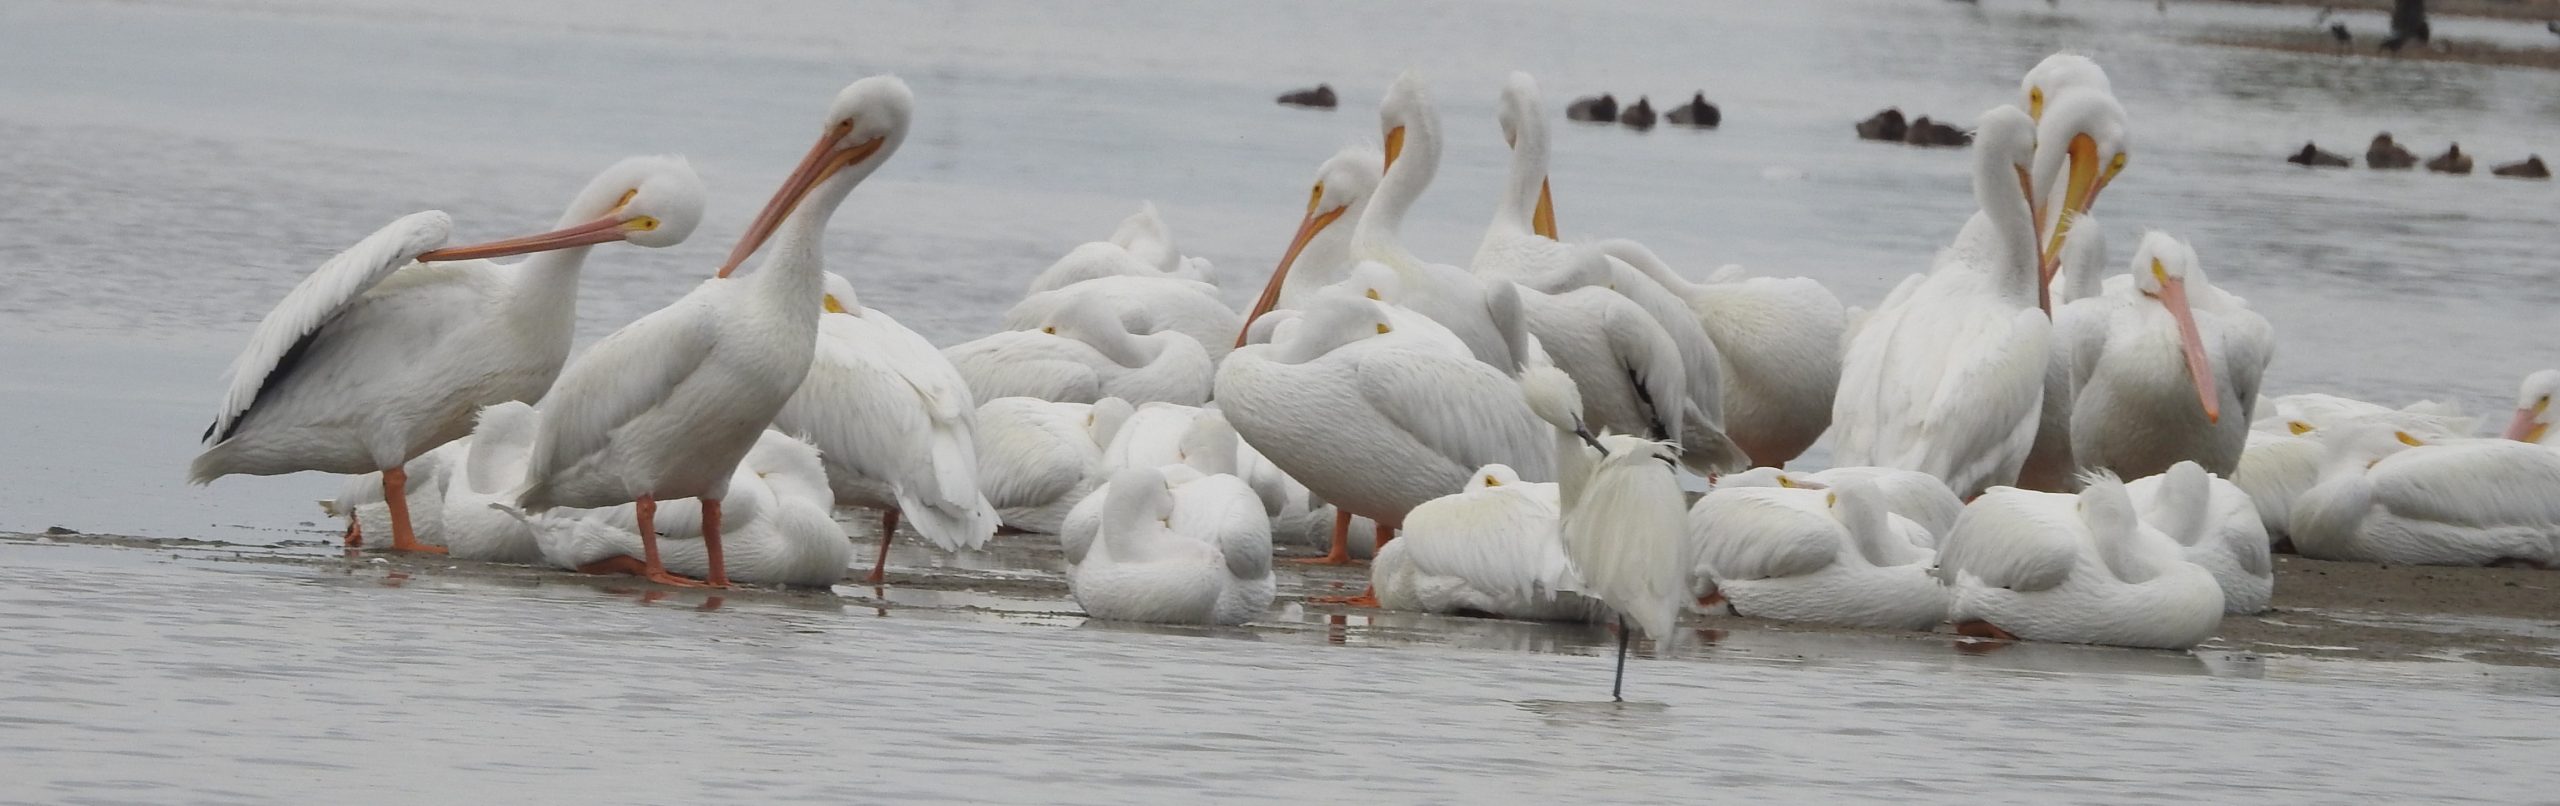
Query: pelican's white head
[
  {"x": 1343, "y": 186},
  {"x": 2105, "y": 506},
  {"x": 2163, "y": 266},
  {"x": 1337, "y": 318},
  {"x": 1406, "y": 118},
  {"x": 1138, "y": 494},
  {"x": 646, "y": 201},
  {"x": 840, "y": 297},
  {"x": 1209, "y": 445},
  {"x": 1493, "y": 476},
  {"x": 1524, "y": 126},
  {"x": 2059, "y": 75},
  {"x": 2004, "y": 144},
  {"x": 790, "y": 466},
  {"x": 2081, "y": 142},
  {"x": 864, "y": 126},
  {"x": 1768, "y": 477},
  {"x": 2361, "y": 446},
  {"x": 2533, "y": 407},
  {"x": 1104, "y": 418}
]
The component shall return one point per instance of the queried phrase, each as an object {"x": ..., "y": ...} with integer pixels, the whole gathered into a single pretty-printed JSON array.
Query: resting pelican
[
  {"x": 666, "y": 406},
  {"x": 2049, "y": 466},
  {"x": 775, "y": 523},
  {"x": 1777, "y": 346},
  {"x": 2216, "y": 526},
  {"x": 1141, "y": 247},
  {"x": 1492, "y": 548},
  {"x": 2286, "y": 448},
  {"x": 2533, "y": 409},
  {"x": 1372, "y": 423},
  {"x": 1949, "y": 380},
  {"x": 390, "y": 347},
  {"x": 1831, "y": 556},
  {"x": 1205, "y": 447},
  {"x": 1146, "y": 567},
  {"x": 894, "y": 424},
  {"x": 1143, "y": 305},
  {"x": 2132, "y": 412},
  {"x": 491, "y": 467},
  {"x": 2386, "y": 495},
  {"x": 1910, "y": 494},
  {"x": 1624, "y": 525},
  {"x": 2075, "y": 568},
  {"x": 1319, "y": 254},
  {"x": 1082, "y": 354},
  {"x": 1037, "y": 458}
]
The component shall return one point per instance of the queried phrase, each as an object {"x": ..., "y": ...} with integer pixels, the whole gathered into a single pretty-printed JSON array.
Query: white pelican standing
[
  {"x": 1777, "y": 344},
  {"x": 1829, "y": 556},
  {"x": 1371, "y": 422},
  {"x": 1319, "y": 254},
  {"x": 1624, "y": 525},
  {"x": 2164, "y": 367},
  {"x": 1037, "y": 458},
  {"x": 666, "y": 406},
  {"x": 2533, "y": 409},
  {"x": 775, "y": 520},
  {"x": 391, "y": 347},
  {"x": 2385, "y": 495},
  {"x": 1948, "y": 380},
  {"x": 491, "y": 467},
  {"x": 1495, "y": 547},
  {"x": 894, "y": 424},
  {"x": 1083, "y": 353},
  {"x": 2074, "y": 568},
  {"x": 1154, "y": 561},
  {"x": 2216, "y": 527}
]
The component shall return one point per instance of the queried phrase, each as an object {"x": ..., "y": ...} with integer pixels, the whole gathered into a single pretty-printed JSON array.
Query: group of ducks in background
[
  {"x": 2026, "y": 447},
  {"x": 1602, "y": 108},
  {"x": 1889, "y": 126},
  {"x": 2386, "y": 155}
]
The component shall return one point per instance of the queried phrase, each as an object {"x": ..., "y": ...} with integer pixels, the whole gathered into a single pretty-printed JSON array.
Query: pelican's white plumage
[
  {"x": 1910, "y": 494},
  {"x": 1448, "y": 294},
  {"x": 2216, "y": 526},
  {"x": 893, "y": 422},
  {"x": 2143, "y": 352},
  {"x": 2058, "y": 76},
  {"x": 2274, "y": 470},
  {"x": 665, "y": 407},
  {"x": 2388, "y": 496},
  {"x": 1141, "y": 247},
  {"x": 1949, "y": 380},
  {"x": 2075, "y": 568},
  {"x": 1495, "y": 547},
  {"x": 2049, "y": 466},
  {"x": 492, "y": 466},
  {"x": 1202, "y": 446},
  {"x": 360, "y": 500},
  {"x": 2300, "y": 413},
  {"x": 2533, "y": 409},
  {"x": 775, "y": 525},
  {"x": 1778, "y": 344},
  {"x": 1166, "y": 557},
  {"x": 1037, "y": 458},
  {"x": 1319, "y": 254},
  {"x": 1830, "y": 556},
  {"x": 1084, "y": 353},
  {"x": 1143, "y": 305},
  {"x": 375, "y": 358}
]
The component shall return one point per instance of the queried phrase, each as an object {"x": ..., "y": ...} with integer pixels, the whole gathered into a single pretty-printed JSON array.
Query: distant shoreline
[{"x": 2489, "y": 9}]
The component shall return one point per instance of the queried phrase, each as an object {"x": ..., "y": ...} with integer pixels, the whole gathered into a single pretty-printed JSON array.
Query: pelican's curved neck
[
  {"x": 793, "y": 271},
  {"x": 2180, "y": 509},
  {"x": 545, "y": 292},
  {"x": 1519, "y": 204},
  {"x": 1379, "y": 234},
  {"x": 1997, "y": 188},
  {"x": 1868, "y": 527},
  {"x": 1128, "y": 349}
]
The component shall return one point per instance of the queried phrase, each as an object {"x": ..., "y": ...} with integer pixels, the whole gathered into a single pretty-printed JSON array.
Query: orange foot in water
[{"x": 1984, "y": 629}]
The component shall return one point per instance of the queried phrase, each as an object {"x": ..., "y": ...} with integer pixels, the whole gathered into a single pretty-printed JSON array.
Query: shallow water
[{"x": 171, "y": 168}]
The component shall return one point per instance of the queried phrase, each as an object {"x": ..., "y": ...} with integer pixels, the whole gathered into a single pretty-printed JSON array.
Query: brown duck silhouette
[
  {"x": 2452, "y": 161},
  {"x": 2530, "y": 168},
  {"x": 1601, "y": 108},
  {"x": 2312, "y": 156},
  {"x": 1887, "y": 125},
  {"x": 1639, "y": 116},
  {"x": 1930, "y": 133},
  {"x": 1319, "y": 98},
  {"x": 2387, "y": 155},
  {"x": 1697, "y": 112}
]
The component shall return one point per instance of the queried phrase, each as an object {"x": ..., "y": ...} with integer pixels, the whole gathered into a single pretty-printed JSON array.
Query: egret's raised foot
[{"x": 1983, "y": 629}]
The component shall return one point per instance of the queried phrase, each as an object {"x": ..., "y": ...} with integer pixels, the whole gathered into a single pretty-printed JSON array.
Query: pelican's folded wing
[{"x": 282, "y": 337}]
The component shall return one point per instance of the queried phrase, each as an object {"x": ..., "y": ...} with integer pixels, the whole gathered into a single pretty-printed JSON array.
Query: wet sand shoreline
[{"x": 2323, "y": 610}]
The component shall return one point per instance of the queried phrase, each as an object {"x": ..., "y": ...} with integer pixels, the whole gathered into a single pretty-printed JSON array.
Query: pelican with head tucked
[{"x": 394, "y": 345}]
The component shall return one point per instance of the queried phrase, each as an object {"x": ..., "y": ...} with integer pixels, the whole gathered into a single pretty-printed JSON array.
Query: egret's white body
[
  {"x": 1141, "y": 247},
  {"x": 1081, "y": 354},
  {"x": 1910, "y": 494},
  {"x": 2075, "y": 568},
  {"x": 1624, "y": 519},
  {"x": 665, "y": 407},
  {"x": 1830, "y": 556},
  {"x": 1037, "y": 458},
  {"x": 490, "y": 467},
  {"x": 376, "y": 358},
  {"x": 893, "y": 422},
  {"x": 2387, "y": 496},
  {"x": 1949, "y": 380},
  {"x": 2216, "y": 526},
  {"x": 775, "y": 525},
  {"x": 1143, "y": 305},
  {"x": 1494, "y": 548},
  {"x": 1169, "y": 557},
  {"x": 2143, "y": 353}
]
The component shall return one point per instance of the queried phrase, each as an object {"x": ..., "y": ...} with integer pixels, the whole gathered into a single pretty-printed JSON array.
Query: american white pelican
[
  {"x": 2274, "y": 470},
  {"x": 1205, "y": 447},
  {"x": 1949, "y": 380},
  {"x": 2388, "y": 496},
  {"x": 1319, "y": 254},
  {"x": 1037, "y": 458},
  {"x": 2216, "y": 526},
  {"x": 1141, "y": 247},
  {"x": 1624, "y": 524},
  {"x": 490, "y": 468},
  {"x": 1149, "y": 564},
  {"x": 1081, "y": 354},
  {"x": 1148, "y": 238},
  {"x": 1372, "y": 423},
  {"x": 2049, "y": 466},
  {"x": 2301, "y": 413},
  {"x": 2286, "y": 445},
  {"x": 1777, "y": 346},
  {"x": 390, "y": 347},
  {"x": 2164, "y": 367},
  {"x": 1829, "y": 556},
  {"x": 1911, "y": 494},
  {"x": 1448, "y": 294},
  {"x": 774, "y": 523},
  {"x": 2533, "y": 409},
  {"x": 368, "y": 515},
  {"x": 894, "y": 424},
  {"x": 666, "y": 406},
  {"x": 1143, "y": 305},
  {"x": 2074, "y": 568},
  {"x": 1494, "y": 548},
  {"x": 2059, "y": 75},
  {"x": 2081, "y": 146}
]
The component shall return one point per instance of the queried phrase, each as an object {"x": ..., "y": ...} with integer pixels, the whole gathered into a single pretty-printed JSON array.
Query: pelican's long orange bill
[
  {"x": 1315, "y": 222},
  {"x": 823, "y": 161},
  {"x": 1543, "y": 221},
  {"x": 2078, "y": 196},
  {"x": 2527, "y": 426},
  {"x": 2173, "y": 293},
  {"x": 602, "y": 230}
]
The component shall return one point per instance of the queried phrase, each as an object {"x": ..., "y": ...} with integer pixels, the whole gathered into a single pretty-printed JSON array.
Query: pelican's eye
[
  {"x": 1490, "y": 481},
  {"x": 1051, "y": 330},
  {"x": 2406, "y": 439},
  {"x": 641, "y": 223},
  {"x": 1314, "y": 196},
  {"x": 2035, "y": 103},
  {"x": 1373, "y": 294},
  {"x": 2298, "y": 427},
  {"x": 1830, "y": 499},
  {"x": 1383, "y": 329},
  {"x": 2159, "y": 272}
]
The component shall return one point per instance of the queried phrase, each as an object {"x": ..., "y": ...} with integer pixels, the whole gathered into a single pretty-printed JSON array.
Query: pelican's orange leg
[
  {"x": 395, "y": 492},
  {"x": 719, "y": 576},
  {"x": 651, "y": 567},
  {"x": 888, "y": 529},
  {"x": 1341, "y": 553}
]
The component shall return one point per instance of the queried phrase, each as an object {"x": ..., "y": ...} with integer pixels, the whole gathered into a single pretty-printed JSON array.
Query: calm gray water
[{"x": 170, "y": 168}]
